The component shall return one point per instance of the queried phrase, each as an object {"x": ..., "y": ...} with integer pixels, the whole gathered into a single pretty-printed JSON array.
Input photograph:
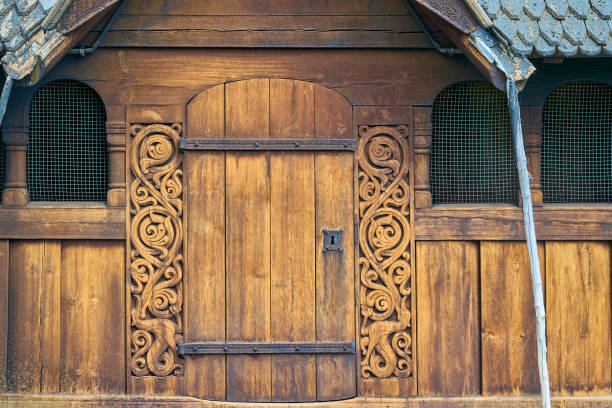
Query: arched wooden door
[{"x": 269, "y": 314}]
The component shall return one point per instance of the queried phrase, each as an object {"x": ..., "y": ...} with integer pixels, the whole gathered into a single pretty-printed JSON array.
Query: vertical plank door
[{"x": 255, "y": 269}]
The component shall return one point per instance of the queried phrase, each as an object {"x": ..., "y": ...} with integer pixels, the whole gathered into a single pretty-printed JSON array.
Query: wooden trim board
[{"x": 59, "y": 400}]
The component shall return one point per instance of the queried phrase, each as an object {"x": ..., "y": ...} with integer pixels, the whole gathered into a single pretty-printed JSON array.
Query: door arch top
[{"x": 273, "y": 105}]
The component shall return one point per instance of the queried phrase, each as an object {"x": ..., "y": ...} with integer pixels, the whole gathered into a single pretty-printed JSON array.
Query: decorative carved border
[
  {"x": 384, "y": 252},
  {"x": 156, "y": 250}
]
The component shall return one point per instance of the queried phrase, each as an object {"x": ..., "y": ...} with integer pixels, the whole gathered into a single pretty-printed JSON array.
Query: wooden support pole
[{"x": 532, "y": 244}]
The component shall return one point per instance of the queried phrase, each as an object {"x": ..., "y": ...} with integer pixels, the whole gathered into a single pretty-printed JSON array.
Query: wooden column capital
[
  {"x": 115, "y": 138},
  {"x": 422, "y": 154},
  {"x": 15, "y": 138}
]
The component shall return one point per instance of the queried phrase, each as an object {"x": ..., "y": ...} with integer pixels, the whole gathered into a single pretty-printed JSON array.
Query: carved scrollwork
[
  {"x": 384, "y": 252},
  {"x": 156, "y": 259}
]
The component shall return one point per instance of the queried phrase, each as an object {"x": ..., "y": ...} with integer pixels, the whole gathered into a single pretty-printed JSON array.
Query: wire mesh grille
[
  {"x": 67, "y": 152},
  {"x": 472, "y": 158},
  {"x": 577, "y": 144}
]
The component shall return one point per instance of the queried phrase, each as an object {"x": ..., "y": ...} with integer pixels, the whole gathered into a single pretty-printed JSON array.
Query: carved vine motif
[
  {"x": 156, "y": 259},
  {"x": 384, "y": 252}
]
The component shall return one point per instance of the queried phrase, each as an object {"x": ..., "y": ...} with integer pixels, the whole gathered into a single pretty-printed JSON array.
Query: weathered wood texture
[
  {"x": 448, "y": 325},
  {"x": 65, "y": 316},
  {"x": 578, "y": 299},
  {"x": 509, "y": 364},
  {"x": 259, "y": 211},
  {"x": 506, "y": 223},
  {"x": 66, "y": 221},
  {"x": 4, "y": 281},
  {"x": 194, "y": 23},
  {"x": 578, "y": 311},
  {"x": 146, "y": 76},
  {"x": 127, "y": 401}
]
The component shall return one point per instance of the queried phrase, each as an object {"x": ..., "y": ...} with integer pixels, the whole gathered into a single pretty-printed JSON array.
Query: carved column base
[
  {"x": 15, "y": 197},
  {"x": 422, "y": 199},
  {"x": 115, "y": 197}
]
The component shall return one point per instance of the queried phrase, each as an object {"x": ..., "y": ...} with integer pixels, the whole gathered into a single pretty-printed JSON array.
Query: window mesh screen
[
  {"x": 577, "y": 144},
  {"x": 67, "y": 152},
  {"x": 472, "y": 159}
]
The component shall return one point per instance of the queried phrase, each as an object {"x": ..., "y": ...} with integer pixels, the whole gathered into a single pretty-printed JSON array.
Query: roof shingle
[{"x": 565, "y": 27}]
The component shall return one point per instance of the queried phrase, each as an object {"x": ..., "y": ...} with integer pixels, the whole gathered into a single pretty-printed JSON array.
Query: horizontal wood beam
[
  {"x": 115, "y": 401},
  {"x": 506, "y": 223},
  {"x": 78, "y": 222},
  {"x": 268, "y": 144}
]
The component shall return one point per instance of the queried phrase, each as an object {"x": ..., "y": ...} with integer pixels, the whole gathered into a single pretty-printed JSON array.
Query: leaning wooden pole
[{"x": 532, "y": 244}]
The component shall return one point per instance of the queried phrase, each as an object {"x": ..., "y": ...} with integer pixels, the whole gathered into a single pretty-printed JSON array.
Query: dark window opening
[
  {"x": 67, "y": 157},
  {"x": 577, "y": 144},
  {"x": 472, "y": 159},
  {"x": 2, "y": 158}
]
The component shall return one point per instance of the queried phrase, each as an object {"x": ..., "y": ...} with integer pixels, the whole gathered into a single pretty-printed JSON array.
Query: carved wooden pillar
[
  {"x": 422, "y": 153},
  {"x": 15, "y": 137},
  {"x": 115, "y": 137},
  {"x": 532, "y": 137}
]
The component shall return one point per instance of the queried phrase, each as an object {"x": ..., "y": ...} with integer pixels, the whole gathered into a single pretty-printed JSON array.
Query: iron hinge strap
[
  {"x": 268, "y": 144},
  {"x": 266, "y": 348}
]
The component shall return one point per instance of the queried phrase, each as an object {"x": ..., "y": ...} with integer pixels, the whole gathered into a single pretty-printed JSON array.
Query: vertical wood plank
[
  {"x": 33, "y": 344},
  {"x": 293, "y": 273},
  {"x": 335, "y": 319},
  {"x": 4, "y": 293},
  {"x": 206, "y": 114},
  {"x": 292, "y": 220},
  {"x": 92, "y": 312},
  {"x": 579, "y": 317},
  {"x": 204, "y": 221},
  {"x": 448, "y": 325},
  {"x": 50, "y": 317},
  {"x": 247, "y": 113},
  {"x": 248, "y": 272},
  {"x": 24, "y": 366},
  {"x": 291, "y": 109},
  {"x": 333, "y": 115},
  {"x": 509, "y": 363}
]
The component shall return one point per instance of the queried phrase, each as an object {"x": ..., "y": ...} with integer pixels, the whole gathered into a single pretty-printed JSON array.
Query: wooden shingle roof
[{"x": 543, "y": 28}]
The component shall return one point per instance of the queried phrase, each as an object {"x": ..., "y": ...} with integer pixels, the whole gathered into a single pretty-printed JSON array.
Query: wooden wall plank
[
  {"x": 67, "y": 222},
  {"x": 505, "y": 222},
  {"x": 33, "y": 327},
  {"x": 50, "y": 317},
  {"x": 265, "y": 7},
  {"x": 248, "y": 272},
  {"x": 448, "y": 332},
  {"x": 204, "y": 222},
  {"x": 144, "y": 76},
  {"x": 4, "y": 297},
  {"x": 292, "y": 220},
  {"x": 578, "y": 317},
  {"x": 509, "y": 353},
  {"x": 335, "y": 287},
  {"x": 92, "y": 313}
]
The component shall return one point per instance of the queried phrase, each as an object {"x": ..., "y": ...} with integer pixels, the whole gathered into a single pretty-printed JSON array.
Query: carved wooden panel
[
  {"x": 156, "y": 250},
  {"x": 384, "y": 252}
]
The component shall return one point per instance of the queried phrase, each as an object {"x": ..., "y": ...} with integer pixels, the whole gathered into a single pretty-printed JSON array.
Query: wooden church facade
[{"x": 271, "y": 230}]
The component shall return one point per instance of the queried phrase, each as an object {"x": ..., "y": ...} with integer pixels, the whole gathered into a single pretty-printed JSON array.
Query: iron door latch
[{"x": 332, "y": 240}]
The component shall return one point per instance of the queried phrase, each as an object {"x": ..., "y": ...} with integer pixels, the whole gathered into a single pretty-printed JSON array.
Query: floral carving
[
  {"x": 384, "y": 252},
  {"x": 156, "y": 240}
]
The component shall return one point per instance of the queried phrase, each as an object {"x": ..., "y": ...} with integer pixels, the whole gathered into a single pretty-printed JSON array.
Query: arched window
[
  {"x": 472, "y": 158},
  {"x": 67, "y": 157},
  {"x": 576, "y": 163}
]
